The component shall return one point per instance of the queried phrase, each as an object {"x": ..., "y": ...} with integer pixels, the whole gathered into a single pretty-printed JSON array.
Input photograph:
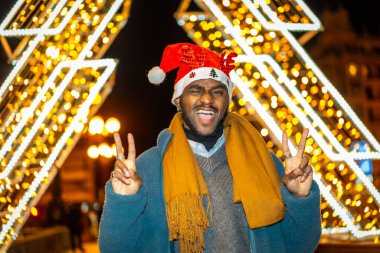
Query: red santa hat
[{"x": 194, "y": 63}]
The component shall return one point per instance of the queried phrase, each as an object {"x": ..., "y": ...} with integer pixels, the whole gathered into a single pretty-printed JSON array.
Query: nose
[{"x": 207, "y": 97}]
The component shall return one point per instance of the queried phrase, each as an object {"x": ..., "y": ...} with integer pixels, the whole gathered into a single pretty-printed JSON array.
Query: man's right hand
[{"x": 124, "y": 178}]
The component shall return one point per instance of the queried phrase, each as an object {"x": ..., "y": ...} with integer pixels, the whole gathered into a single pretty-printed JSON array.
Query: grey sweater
[{"x": 228, "y": 226}]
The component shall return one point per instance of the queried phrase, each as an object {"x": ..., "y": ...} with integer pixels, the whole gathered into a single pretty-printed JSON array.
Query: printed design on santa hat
[
  {"x": 192, "y": 74},
  {"x": 191, "y": 59},
  {"x": 213, "y": 73},
  {"x": 226, "y": 63}
]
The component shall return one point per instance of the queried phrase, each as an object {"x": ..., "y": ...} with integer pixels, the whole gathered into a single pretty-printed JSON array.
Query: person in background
[
  {"x": 210, "y": 184},
  {"x": 75, "y": 225}
]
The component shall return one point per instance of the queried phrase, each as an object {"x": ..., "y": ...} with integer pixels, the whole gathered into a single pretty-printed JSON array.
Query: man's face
[{"x": 204, "y": 104}]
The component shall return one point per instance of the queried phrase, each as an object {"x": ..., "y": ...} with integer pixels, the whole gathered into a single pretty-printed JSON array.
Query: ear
[{"x": 177, "y": 104}]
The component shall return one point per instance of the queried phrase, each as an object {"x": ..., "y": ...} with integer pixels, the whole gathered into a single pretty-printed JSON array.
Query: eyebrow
[{"x": 197, "y": 86}]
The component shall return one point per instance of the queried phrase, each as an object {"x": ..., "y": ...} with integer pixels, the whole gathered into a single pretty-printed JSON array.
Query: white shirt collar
[{"x": 199, "y": 148}]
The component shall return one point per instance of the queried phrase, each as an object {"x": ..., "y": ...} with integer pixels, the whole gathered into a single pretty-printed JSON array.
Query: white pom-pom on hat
[{"x": 156, "y": 75}]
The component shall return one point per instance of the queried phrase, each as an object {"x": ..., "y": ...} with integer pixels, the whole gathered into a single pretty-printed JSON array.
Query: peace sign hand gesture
[
  {"x": 298, "y": 173},
  {"x": 124, "y": 178}
]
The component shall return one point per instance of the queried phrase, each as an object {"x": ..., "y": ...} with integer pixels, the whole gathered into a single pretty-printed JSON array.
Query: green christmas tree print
[{"x": 213, "y": 73}]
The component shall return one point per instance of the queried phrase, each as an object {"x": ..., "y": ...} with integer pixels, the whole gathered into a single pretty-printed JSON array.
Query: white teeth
[{"x": 205, "y": 112}]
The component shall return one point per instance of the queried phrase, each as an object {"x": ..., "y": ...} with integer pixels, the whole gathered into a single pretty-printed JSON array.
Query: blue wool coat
[{"x": 137, "y": 223}]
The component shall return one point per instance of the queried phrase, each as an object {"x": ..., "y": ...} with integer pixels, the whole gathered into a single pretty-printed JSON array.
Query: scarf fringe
[{"x": 187, "y": 223}]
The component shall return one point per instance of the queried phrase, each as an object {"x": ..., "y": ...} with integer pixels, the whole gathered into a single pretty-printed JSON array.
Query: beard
[{"x": 218, "y": 128}]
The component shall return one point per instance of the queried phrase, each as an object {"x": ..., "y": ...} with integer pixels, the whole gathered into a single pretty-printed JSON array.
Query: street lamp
[{"x": 97, "y": 126}]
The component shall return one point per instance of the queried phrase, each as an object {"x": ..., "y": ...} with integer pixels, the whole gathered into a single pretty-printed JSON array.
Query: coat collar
[{"x": 163, "y": 140}]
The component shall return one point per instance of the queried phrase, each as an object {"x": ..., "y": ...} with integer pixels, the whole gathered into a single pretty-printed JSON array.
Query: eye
[
  {"x": 218, "y": 92},
  {"x": 195, "y": 91}
]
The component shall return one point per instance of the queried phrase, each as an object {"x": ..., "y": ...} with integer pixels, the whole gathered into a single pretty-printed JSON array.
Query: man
[{"x": 210, "y": 184}]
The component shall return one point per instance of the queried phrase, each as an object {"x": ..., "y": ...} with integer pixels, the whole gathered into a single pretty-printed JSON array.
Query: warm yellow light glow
[
  {"x": 93, "y": 152},
  {"x": 352, "y": 69},
  {"x": 112, "y": 125},
  {"x": 52, "y": 52},
  {"x": 105, "y": 150},
  {"x": 33, "y": 211},
  {"x": 96, "y": 125},
  {"x": 79, "y": 127},
  {"x": 264, "y": 132}
]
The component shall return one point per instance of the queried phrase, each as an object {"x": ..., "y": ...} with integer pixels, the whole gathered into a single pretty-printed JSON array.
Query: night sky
[{"x": 144, "y": 109}]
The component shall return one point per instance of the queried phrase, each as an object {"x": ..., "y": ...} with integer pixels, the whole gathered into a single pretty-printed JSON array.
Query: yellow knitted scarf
[{"x": 256, "y": 183}]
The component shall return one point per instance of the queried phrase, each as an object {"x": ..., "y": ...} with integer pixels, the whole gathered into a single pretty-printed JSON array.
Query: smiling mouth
[
  {"x": 206, "y": 113},
  {"x": 205, "y": 116}
]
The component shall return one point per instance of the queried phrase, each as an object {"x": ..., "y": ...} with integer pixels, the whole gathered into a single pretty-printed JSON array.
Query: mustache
[{"x": 201, "y": 107}]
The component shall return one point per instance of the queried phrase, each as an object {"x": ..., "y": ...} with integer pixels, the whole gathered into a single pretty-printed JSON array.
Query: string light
[{"x": 53, "y": 85}]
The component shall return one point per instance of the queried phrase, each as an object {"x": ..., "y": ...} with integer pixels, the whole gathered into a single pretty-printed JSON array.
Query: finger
[
  {"x": 123, "y": 168},
  {"x": 295, "y": 173},
  {"x": 302, "y": 144},
  {"x": 304, "y": 162},
  {"x": 119, "y": 145},
  {"x": 292, "y": 175},
  {"x": 119, "y": 175},
  {"x": 285, "y": 144},
  {"x": 306, "y": 174},
  {"x": 131, "y": 148}
]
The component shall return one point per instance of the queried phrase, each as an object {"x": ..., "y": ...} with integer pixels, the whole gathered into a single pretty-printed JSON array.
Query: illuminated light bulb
[
  {"x": 114, "y": 30},
  {"x": 34, "y": 211},
  {"x": 295, "y": 72},
  {"x": 112, "y": 125},
  {"x": 216, "y": 43},
  {"x": 193, "y": 18},
  {"x": 352, "y": 69},
  {"x": 61, "y": 118},
  {"x": 254, "y": 32},
  {"x": 251, "y": 110},
  {"x": 105, "y": 40},
  {"x": 242, "y": 111},
  {"x": 105, "y": 150},
  {"x": 205, "y": 44},
  {"x": 256, "y": 75},
  {"x": 67, "y": 106},
  {"x": 97, "y": 100},
  {"x": 25, "y": 112},
  {"x": 93, "y": 152},
  {"x": 96, "y": 125},
  {"x": 227, "y": 43},
  {"x": 52, "y": 52},
  {"x": 79, "y": 127},
  {"x": 242, "y": 101},
  {"x": 264, "y": 132},
  {"x": 197, "y": 35}
]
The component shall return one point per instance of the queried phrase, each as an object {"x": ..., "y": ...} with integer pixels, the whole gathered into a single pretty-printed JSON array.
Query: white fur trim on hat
[
  {"x": 156, "y": 75},
  {"x": 198, "y": 74}
]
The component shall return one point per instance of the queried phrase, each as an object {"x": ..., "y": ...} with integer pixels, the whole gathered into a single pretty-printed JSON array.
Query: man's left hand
[{"x": 298, "y": 173}]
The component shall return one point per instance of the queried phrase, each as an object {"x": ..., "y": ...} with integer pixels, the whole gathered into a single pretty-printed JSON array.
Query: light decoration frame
[
  {"x": 14, "y": 215},
  {"x": 110, "y": 66},
  {"x": 212, "y": 12}
]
